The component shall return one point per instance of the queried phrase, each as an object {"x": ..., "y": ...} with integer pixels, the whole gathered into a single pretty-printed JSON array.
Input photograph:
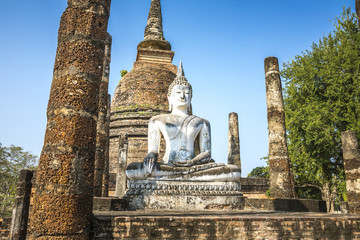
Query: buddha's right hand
[{"x": 149, "y": 161}]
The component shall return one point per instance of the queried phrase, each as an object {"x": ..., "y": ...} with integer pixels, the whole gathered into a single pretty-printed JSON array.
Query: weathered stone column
[
  {"x": 106, "y": 173},
  {"x": 351, "y": 155},
  {"x": 281, "y": 182},
  {"x": 234, "y": 142},
  {"x": 101, "y": 134},
  {"x": 121, "y": 166},
  {"x": 20, "y": 214},
  {"x": 64, "y": 193}
]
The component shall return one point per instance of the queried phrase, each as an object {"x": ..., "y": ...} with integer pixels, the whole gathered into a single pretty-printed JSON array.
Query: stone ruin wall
[
  {"x": 228, "y": 226},
  {"x": 4, "y": 228},
  {"x": 221, "y": 227}
]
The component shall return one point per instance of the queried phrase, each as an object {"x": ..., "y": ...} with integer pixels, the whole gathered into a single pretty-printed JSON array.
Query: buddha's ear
[{"x": 170, "y": 104}]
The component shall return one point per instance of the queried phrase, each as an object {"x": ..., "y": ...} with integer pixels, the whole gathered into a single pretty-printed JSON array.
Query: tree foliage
[
  {"x": 12, "y": 160},
  {"x": 123, "y": 72},
  {"x": 321, "y": 99},
  {"x": 259, "y": 172}
]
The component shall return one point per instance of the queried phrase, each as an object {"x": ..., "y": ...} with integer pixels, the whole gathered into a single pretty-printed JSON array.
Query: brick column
[
  {"x": 351, "y": 155},
  {"x": 234, "y": 142},
  {"x": 281, "y": 182},
  {"x": 106, "y": 173},
  {"x": 64, "y": 193},
  {"x": 101, "y": 134},
  {"x": 20, "y": 214}
]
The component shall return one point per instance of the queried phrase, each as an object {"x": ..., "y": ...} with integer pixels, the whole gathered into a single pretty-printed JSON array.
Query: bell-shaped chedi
[{"x": 141, "y": 94}]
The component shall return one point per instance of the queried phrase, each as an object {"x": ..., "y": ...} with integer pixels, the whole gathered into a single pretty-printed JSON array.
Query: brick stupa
[{"x": 141, "y": 94}]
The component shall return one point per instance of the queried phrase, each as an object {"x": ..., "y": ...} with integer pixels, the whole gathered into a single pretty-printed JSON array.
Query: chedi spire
[
  {"x": 154, "y": 35},
  {"x": 154, "y": 28}
]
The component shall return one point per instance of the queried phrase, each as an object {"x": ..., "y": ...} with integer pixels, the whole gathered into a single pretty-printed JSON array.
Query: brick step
[{"x": 107, "y": 204}]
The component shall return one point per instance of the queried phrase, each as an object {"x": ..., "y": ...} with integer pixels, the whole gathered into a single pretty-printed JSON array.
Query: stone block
[
  {"x": 179, "y": 195},
  {"x": 251, "y": 186},
  {"x": 187, "y": 203},
  {"x": 286, "y": 205}
]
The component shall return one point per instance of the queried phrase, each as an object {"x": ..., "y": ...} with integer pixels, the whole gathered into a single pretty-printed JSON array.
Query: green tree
[
  {"x": 259, "y": 172},
  {"x": 321, "y": 99},
  {"x": 12, "y": 160}
]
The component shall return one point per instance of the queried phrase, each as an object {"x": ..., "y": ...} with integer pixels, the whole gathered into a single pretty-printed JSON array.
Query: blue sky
[{"x": 222, "y": 44}]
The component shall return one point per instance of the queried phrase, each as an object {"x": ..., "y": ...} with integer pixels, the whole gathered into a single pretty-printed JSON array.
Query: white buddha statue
[{"x": 181, "y": 131}]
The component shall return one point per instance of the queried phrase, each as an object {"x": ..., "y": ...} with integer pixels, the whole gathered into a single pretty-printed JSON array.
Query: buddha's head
[{"x": 180, "y": 92}]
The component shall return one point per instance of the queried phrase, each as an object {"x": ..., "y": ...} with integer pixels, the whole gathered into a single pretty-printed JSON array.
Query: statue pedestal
[{"x": 182, "y": 195}]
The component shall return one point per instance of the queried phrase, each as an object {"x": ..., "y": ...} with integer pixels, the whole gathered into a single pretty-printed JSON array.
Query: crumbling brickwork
[
  {"x": 5, "y": 228},
  {"x": 141, "y": 94},
  {"x": 63, "y": 197},
  {"x": 281, "y": 178},
  {"x": 254, "y": 187},
  {"x": 221, "y": 226}
]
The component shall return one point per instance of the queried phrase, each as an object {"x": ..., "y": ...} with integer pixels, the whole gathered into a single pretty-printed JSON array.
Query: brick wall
[
  {"x": 5, "y": 228},
  {"x": 249, "y": 226},
  {"x": 286, "y": 205},
  {"x": 234, "y": 226},
  {"x": 254, "y": 187}
]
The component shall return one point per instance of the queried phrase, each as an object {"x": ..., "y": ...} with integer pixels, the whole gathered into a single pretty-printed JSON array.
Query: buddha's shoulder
[
  {"x": 199, "y": 119},
  {"x": 167, "y": 117},
  {"x": 160, "y": 117}
]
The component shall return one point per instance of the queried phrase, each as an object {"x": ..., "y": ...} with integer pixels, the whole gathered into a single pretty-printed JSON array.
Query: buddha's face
[{"x": 180, "y": 97}]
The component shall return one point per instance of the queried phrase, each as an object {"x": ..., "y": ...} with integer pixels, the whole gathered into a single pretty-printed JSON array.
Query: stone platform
[
  {"x": 286, "y": 205},
  {"x": 180, "y": 195},
  {"x": 221, "y": 225}
]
